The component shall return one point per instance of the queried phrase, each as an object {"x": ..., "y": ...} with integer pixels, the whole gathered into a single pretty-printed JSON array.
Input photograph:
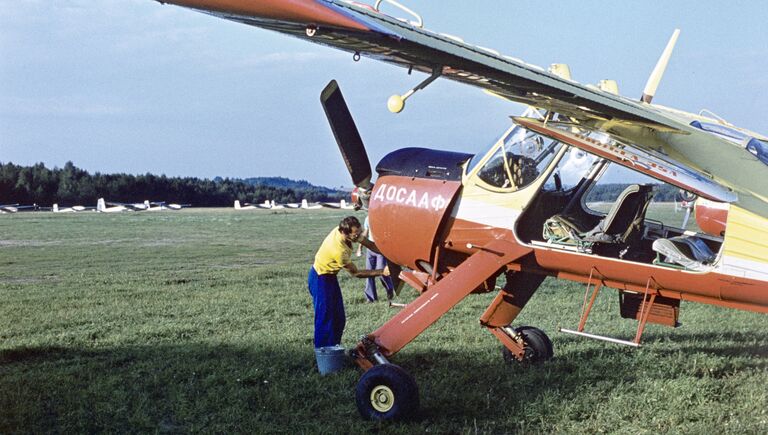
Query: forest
[{"x": 71, "y": 185}]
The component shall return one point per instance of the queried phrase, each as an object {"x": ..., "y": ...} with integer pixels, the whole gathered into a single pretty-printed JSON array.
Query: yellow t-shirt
[{"x": 333, "y": 254}]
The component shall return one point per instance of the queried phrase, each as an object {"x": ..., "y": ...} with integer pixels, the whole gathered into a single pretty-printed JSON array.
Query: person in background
[
  {"x": 374, "y": 260},
  {"x": 334, "y": 254}
]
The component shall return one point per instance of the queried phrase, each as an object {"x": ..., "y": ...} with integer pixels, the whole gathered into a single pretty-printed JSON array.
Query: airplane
[
  {"x": 101, "y": 207},
  {"x": 520, "y": 212},
  {"x": 342, "y": 204},
  {"x": 248, "y": 206},
  {"x": 9, "y": 208},
  {"x": 14, "y": 208},
  {"x": 162, "y": 205},
  {"x": 73, "y": 209},
  {"x": 304, "y": 205}
]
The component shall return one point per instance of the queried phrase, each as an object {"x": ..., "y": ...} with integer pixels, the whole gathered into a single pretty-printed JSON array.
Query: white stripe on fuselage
[
  {"x": 486, "y": 214},
  {"x": 744, "y": 268}
]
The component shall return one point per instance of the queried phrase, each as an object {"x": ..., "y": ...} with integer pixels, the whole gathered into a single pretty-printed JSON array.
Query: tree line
[{"x": 71, "y": 185}]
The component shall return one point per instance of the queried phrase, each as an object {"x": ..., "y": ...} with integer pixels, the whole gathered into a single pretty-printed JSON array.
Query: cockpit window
[
  {"x": 519, "y": 160},
  {"x": 479, "y": 156},
  {"x": 759, "y": 149},
  {"x": 755, "y": 146}
]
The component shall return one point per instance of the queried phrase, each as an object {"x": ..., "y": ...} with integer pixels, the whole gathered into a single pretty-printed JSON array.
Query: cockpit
[
  {"x": 515, "y": 161},
  {"x": 588, "y": 203}
]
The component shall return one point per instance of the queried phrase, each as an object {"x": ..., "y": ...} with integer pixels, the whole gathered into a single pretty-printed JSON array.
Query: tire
[
  {"x": 386, "y": 392},
  {"x": 538, "y": 346}
]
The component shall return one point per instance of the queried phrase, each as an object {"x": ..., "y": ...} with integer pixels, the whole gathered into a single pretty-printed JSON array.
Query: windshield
[
  {"x": 519, "y": 160},
  {"x": 479, "y": 155}
]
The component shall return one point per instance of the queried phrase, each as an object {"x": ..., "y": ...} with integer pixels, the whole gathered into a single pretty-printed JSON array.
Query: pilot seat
[
  {"x": 619, "y": 231},
  {"x": 690, "y": 252}
]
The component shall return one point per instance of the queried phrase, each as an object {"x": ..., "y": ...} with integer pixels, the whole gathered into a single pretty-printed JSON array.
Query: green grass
[{"x": 200, "y": 321}]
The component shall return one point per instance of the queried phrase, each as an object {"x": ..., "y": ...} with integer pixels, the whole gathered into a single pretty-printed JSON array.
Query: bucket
[{"x": 330, "y": 359}]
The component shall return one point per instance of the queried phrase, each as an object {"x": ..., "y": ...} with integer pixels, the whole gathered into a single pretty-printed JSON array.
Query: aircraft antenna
[{"x": 658, "y": 71}]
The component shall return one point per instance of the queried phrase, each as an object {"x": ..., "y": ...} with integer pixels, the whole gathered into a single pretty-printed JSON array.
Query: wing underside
[{"x": 398, "y": 42}]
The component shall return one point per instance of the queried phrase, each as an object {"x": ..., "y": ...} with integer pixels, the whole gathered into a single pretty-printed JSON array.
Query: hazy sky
[{"x": 135, "y": 86}]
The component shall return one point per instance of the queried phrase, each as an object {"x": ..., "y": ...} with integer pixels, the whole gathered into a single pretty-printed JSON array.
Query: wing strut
[{"x": 436, "y": 301}]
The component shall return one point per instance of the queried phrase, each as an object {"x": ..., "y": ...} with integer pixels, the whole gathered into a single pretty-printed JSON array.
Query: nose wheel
[{"x": 386, "y": 392}]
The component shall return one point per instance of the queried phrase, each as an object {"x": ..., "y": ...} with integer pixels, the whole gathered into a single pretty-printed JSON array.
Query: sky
[{"x": 134, "y": 86}]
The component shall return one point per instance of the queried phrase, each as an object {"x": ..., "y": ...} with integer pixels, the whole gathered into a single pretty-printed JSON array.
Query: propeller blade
[{"x": 346, "y": 134}]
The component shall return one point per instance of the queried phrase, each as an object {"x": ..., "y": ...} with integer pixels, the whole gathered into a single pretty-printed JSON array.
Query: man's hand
[{"x": 385, "y": 272}]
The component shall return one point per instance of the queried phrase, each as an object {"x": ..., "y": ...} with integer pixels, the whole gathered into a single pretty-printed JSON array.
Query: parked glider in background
[
  {"x": 249, "y": 206},
  {"x": 303, "y": 205},
  {"x": 162, "y": 205},
  {"x": 525, "y": 207},
  {"x": 73, "y": 209},
  {"x": 14, "y": 208},
  {"x": 101, "y": 207},
  {"x": 340, "y": 205},
  {"x": 9, "y": 208}
]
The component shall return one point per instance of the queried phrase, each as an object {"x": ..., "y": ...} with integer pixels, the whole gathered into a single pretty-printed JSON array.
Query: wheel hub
[{"x": 382, "y": 398}]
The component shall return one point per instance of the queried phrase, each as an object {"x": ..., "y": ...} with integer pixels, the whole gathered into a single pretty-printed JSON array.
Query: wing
[{"x": 361, "y": 29}]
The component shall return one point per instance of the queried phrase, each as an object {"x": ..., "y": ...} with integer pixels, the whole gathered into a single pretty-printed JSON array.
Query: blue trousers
[
  {"x": 329, "y": 308},
  {"x": 377, "y": 261}
]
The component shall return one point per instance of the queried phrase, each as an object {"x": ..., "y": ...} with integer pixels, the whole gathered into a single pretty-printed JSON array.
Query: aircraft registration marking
[
  {"x": 419, "y": 308},
  {"x": 403, "y": 195}
]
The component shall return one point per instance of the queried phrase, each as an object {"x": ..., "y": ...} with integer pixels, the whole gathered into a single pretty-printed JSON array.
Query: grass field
[{"x": 200, "y": 321}]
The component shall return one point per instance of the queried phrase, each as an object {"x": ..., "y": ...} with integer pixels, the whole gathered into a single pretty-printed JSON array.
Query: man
[
  {"x": 374, "y": 260},
  {"x": 334, "y": 254}
]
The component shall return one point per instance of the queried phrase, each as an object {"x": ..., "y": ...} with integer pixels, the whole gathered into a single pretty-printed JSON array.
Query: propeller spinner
[{"x": 346, "y": 134}]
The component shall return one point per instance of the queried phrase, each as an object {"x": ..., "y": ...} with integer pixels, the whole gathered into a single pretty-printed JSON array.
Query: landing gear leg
[{"x": 524, "y": 343}]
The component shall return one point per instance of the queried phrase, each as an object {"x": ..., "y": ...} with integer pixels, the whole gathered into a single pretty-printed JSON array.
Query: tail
[
  {"x": 658, "y": 71},
  {"x": 304, "y": 203},
  {"x": 100, "y": 205},
  {"x": 55, "y": 208},
  {"x": 237, "y": 204}
]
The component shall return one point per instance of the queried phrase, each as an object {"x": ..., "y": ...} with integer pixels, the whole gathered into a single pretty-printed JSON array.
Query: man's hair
[{"x": 349, "y": 222}]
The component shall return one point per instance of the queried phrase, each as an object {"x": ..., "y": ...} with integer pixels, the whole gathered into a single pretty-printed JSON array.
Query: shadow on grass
[{"x": 201, "y": 387}]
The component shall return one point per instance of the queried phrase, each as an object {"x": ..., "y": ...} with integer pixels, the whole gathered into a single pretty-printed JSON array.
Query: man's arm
[
  {"x": 369, "y": 244},
  {"x": 365, "y": 273}
]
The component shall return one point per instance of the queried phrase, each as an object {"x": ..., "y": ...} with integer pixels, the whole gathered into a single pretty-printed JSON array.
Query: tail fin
[
  {"x": 55, "y": 208},
  {"x": 237, "y": 204},
  {"x": 342, "y": 204},
  {"x": 658, "y": 71},
  {"x": 100, "y": 205},
  {"x": 304, "y": 203}
]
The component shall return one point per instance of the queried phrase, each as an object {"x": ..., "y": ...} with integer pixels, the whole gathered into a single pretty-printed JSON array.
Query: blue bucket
[{"x": 330, "y": 359}]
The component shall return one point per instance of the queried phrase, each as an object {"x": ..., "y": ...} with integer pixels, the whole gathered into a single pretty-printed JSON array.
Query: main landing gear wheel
[
  {"x": 538, "y": 346},
  {"x": 386, "y": 392}
]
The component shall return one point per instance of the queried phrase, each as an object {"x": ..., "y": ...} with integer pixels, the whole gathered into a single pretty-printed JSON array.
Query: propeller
[{"x": 346, "y": 134}]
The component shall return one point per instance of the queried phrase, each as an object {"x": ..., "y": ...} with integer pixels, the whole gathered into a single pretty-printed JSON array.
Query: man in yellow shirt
[{"x": 335, "y": 254}]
